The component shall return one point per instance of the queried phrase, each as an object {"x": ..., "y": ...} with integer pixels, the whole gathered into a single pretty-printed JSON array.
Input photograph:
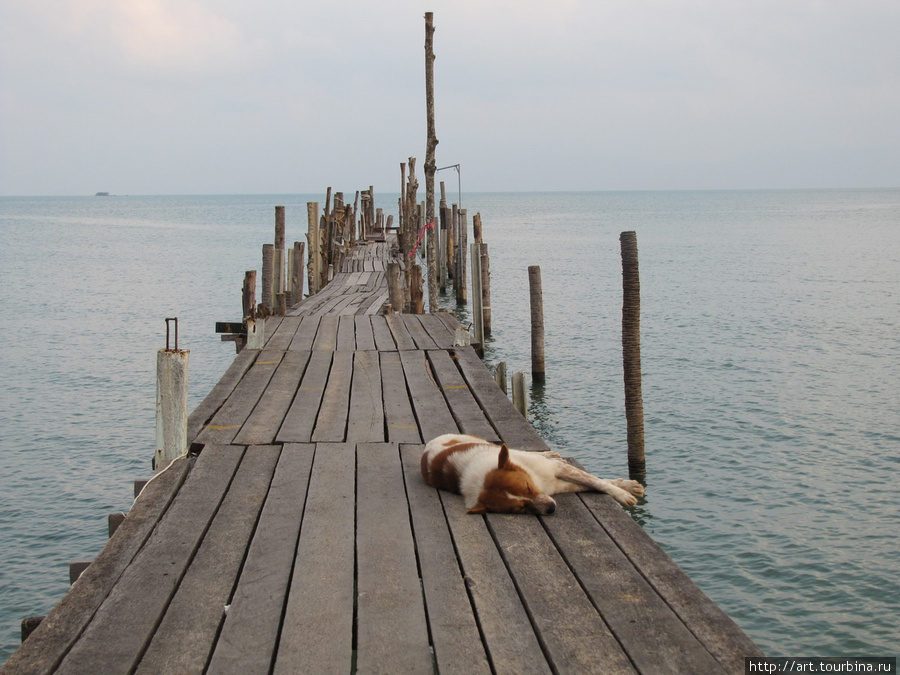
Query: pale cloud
[
  {"x": 184, "y": 38},
  {"x": 220, "y": 95}
]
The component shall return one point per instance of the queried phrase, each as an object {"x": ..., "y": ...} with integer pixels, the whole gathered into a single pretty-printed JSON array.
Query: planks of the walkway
[{"x": 302, "y": 539}]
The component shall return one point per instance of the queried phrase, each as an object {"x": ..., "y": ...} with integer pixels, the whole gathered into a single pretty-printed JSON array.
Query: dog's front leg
[{"x": 623, "y": 491}]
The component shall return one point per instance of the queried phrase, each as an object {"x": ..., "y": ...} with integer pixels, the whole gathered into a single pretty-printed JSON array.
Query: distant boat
[{"x": 102, "y": 194}]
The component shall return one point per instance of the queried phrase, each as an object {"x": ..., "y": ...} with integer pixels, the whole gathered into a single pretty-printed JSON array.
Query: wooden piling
[
  {"x": 278, "y": 279},
  {"x": 268, "y": 277},
  {"x": 519, "y": 395},
  {"x": 395, "y": 287},
  {"x": 416, "y": 297},
  {"x": 477, "y": 312},
  {"x": 486, "y": 289},
  {"x": 248, "y": 295},
  {"x": 631, "y": 354},
  {"x": 29, "y": 625},
  {"x": 430, "y": 167},
  {"x": 314, "y": 273},
  {"x": 460, "y": 278},
  {"x": 408, "y": 238},
  {"x": 538, "y": 369},
  {"x": 171, "y": 404},
  {"x": 500, "y": 376},
  {"x": 297, "y": 272}
]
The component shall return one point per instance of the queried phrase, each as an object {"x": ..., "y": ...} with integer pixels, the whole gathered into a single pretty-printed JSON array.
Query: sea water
[{"x": 771, "y": 367}]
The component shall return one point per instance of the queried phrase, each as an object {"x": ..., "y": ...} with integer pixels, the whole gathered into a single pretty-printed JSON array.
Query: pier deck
[{"x": 303, "y": 539}]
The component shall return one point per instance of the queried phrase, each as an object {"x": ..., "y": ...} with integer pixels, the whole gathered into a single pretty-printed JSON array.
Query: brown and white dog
[{"x": 497, "y": 479}]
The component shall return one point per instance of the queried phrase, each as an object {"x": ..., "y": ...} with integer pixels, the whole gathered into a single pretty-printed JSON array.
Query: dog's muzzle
[{"x": 542, "y": 505}]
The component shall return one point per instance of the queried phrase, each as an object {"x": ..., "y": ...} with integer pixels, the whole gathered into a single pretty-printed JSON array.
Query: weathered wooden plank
[
  {"x": 326, "y": 337},
  {"x": 512, "y": 645},
  {"x": 451, "y": 621},
  {"x": 373, "y": 306},
  {"x": 384, "y": 340},
  {"x": 417, "y": 331},
  {"x": 466, "y": 411},
  {"x": 573, "y": 634},
  {"x": 331, "y": 423},
  {"x": 366, "y": 415},
  {"x": 401, "y": 334},
  {"x": 398, "y": 412},
  {"x": 272, "y": 325},
  {"x": 120, "y": 630},
  {"x": 430, "y": 406},
  {"x": 253, "y": 622},
  {"x": 509, "y": 423},
  {"x": 284, "y": 334},
  {"x": 437, "y": 330},
  {"x": 184, "y": 639},
  {"x": 391, "y": 632},
  {"x": 59, "y": 630},
  {"x": 220, "y": 393},
  {"x": 654, "y": 637},
  {"x": 317, "y": 632},
  {"x": 346, "y": 336},
  {"x": 712, "y": 627},
  {"x": 234, "y": 412},
  {"x": 300, "y": 419},
  {"x": 305, "y": 335},
  {"x": 365, "y": 336},
  {"x": 266, "y": 418}
]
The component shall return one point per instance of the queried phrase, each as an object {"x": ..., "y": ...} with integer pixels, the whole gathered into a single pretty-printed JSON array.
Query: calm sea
[{"x": 771, "y": 360}]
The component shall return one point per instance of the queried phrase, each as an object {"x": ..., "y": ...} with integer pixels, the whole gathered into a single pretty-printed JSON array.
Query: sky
[{"x": 293, "y": 96}]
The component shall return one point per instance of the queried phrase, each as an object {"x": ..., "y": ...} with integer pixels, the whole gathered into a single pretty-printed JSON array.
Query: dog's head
[{"x": 509, "y": 489}]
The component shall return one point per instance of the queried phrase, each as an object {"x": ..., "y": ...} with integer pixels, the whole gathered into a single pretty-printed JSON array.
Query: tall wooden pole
[
  {"x": 631, "y": 354},
  {"x": 430, "y": 165},
  {"x": 536, "y": 292}
]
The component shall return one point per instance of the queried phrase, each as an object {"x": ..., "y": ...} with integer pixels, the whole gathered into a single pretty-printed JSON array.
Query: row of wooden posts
[{"x": 331, "y": 235}]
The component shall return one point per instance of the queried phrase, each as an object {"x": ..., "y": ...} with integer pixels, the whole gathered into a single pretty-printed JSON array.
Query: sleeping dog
[{"x": 497, "y": 479}]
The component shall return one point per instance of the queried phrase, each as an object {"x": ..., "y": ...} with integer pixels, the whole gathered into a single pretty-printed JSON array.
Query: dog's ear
[
  {"x": 503, "y": 460},
  {"x": 478, "y": 508}
]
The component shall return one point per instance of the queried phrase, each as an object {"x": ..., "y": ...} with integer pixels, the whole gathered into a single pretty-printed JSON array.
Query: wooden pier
[{"x": 302, "y": 539}]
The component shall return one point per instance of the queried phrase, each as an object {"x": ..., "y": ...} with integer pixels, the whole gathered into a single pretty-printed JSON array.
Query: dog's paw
[
  {"x": 623, "y": 497},
  {"x": 631, "y": 486}
]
